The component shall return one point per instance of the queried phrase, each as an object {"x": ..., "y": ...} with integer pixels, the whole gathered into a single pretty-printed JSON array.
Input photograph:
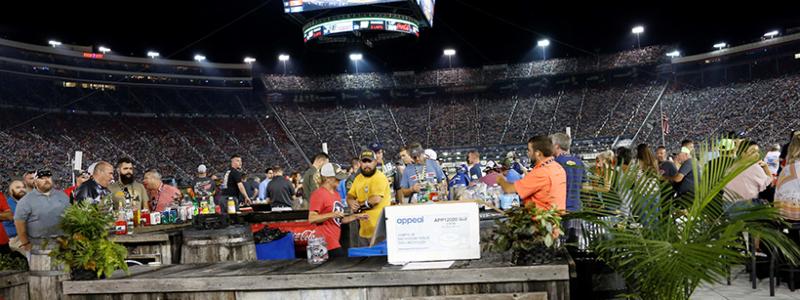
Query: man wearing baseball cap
[
  {"x": 327, "y": 212},
  {"x": 39, "y": 212},
  {"x": 422, "y": 171},
  {"x": 369, "y": 194}
]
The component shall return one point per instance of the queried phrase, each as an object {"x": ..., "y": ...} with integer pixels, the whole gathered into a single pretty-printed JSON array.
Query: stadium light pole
[
  {"x": 449, "y": 53},
  {"x": 720, "y": 46},
  {"x": 153, "y": 54},
  {"x": 54, "y": 43},
  {"x": 771, "y": 34},
  {"x": 355, "y": 57},
  {"x": 543, "y": 43},
  {"x": 674, "y": 54},
  {"x": 638, "y": 30},
  {"x": 103, "y": 49},
  {"x": 283, "y": 58}
]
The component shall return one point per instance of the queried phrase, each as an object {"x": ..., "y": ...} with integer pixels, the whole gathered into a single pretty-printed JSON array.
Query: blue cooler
[
  {"x": 378, "y": 250},
  {"x": 282, "y": 248}
]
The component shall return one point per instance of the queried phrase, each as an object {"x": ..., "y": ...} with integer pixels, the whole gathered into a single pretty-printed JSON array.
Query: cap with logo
[
  {"x": 333, "y": 170},
  {"x": 42, "y": 173},
  {"x": 201, "y": 169},
  {"x": 367, "y": 154}
]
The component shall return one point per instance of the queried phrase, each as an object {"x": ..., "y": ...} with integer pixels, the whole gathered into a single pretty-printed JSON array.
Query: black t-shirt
[
  {"x": 204, "y": 186},
  {"x": 668, "y": 169},
  {"x": 280, "y": 192},
  {"x": 232, "y": 179},
  {"x": 90, "y": 191}
]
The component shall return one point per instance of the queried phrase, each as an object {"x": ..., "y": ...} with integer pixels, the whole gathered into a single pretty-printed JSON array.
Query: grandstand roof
[{"x": 483, "y": 32}]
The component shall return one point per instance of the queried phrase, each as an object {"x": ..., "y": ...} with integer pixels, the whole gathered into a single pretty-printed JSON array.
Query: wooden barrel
[
  {"x": 14, "y": 285},
  {"x": 45, "y": 278},
  {"x": 234, "y": 243}
]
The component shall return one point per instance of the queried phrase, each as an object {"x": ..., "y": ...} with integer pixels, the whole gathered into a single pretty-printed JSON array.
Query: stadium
[{"x": 347, "y": 83}]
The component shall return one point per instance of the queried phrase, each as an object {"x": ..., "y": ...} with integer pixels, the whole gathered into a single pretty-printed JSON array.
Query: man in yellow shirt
[{"x": 369, "y": 194}]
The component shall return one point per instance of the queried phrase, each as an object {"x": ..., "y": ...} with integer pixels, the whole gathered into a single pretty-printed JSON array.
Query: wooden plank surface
[
  {"x": 513, "y": 277},
  {"x": 153, "y": 237}
]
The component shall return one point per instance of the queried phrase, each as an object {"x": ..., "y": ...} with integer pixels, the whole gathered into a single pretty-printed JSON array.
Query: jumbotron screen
[
  {"x": 297, "y": 6},
  {"x": 356, "y": 24}
]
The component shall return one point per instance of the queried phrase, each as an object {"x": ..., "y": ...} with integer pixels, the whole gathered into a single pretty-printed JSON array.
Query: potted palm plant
[
  {"x": 530, "y": 233},
  {"x": 666, "y": 247},
  {"x": 85, "y": 249}
]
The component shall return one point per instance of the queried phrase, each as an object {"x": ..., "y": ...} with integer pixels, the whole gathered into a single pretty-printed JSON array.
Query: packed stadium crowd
[{"x": 466, "y": 76}]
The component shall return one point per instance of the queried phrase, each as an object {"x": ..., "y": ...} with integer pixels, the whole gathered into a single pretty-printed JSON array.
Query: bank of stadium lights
[
  {"x": 249, "y": 60},
  {"x": 449, "y": 53},
  {"x": 153, "y": 54},
  {"x": 771, "y": 34},
  {"x": 674, "y": 54},
  {"x": 103, "y": 49},
  {"x": 199, "y": 58},
  {"x": 638, "y": 30},
  {"x": 720, "y": 46},
  {"x": 283, "y": 58},
  {"x": 543, "y": 44},
  {"x": 355, "y": 57},
  {"x": 54, "y": 43}
]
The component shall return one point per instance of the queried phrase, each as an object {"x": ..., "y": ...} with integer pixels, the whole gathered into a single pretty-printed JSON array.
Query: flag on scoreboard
[{"x": 664, "y": 123}]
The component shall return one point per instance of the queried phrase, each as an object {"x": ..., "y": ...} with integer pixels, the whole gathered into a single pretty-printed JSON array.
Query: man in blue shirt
[
  {"x": 262, "y": 187},
  {"x": 508, "y": 171},
  {"x": 574, "y": 168},
  {"x": 423, "y": 170},
  {"x": 474, "y": 161},
  {"x": 16, "y": 190}
]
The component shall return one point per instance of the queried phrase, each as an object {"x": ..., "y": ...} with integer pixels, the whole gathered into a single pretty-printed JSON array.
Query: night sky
[{"x": 482, "y": 32}]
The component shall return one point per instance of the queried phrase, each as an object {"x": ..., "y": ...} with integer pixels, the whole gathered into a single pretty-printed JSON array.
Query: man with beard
[
  {"x": 27, "y": 179},
  {"x": 369, "y": 194},
  {"x": 546, "y": 184},
  {"x": 96, "y": 189},
  {"x": 39, "y": 213},
  {"x": 16, "y": 190},
  {"x": 126, "y": 189}
]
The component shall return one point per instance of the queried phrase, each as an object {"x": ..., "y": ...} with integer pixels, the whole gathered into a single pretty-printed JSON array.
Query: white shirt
[{"x": 773, "y": 161}]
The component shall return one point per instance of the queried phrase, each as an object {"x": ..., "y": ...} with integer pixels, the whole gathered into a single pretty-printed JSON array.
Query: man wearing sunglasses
[
  {"x": 39, "y": 212},
  {"x": 369, "y": 194}
]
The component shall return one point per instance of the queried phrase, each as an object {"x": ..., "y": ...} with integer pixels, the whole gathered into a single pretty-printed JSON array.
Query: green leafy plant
[
  {"x": 665, "y": 247},
  {"x": 530, "y": 233},
  {"x": 11, "y": 262},
  {"x": 85, "y": 244}
]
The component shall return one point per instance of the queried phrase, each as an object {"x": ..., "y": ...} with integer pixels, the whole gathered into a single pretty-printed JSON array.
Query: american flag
[{"x": 664, "y": 123}]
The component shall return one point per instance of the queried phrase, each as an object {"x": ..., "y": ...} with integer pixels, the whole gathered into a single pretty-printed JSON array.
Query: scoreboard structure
[{"x": 327, "y": 22}]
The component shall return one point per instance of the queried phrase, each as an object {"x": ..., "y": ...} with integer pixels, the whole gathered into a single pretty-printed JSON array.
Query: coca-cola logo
[{"x": 305, "y": 235}]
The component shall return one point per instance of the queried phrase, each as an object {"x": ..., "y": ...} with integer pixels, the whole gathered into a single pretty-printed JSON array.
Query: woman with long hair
[
  {"x": 646, "y": 159},
  {"x": 787, "y": 192}
]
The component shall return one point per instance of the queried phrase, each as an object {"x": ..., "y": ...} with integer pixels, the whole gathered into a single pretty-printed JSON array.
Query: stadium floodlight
[
  {"x": 103, "y": 49},
  {"x": 356, "y": 56},
  {"x": 283, "y": 58},
  {"x": 674, "y": 54},
  {"x": 153, "y": 54},
  {"x": 199, "y": 58},
  {"x": 543, "y": 43},
  {"x": 720, "y": 46},
  {"x": 249, "y": 60},
  {"x": 771, "y": 34},
  {"x": 54, "y": 43},
  {"x": 449, "y": 53},
  {"x": 638, "y": 30}
]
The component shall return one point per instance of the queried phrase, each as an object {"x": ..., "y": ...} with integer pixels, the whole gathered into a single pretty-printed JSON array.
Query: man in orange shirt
[{"x": 546, "y": 184}]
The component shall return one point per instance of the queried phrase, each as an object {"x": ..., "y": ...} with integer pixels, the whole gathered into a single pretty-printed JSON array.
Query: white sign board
[{"x": 432, "y": 232}]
